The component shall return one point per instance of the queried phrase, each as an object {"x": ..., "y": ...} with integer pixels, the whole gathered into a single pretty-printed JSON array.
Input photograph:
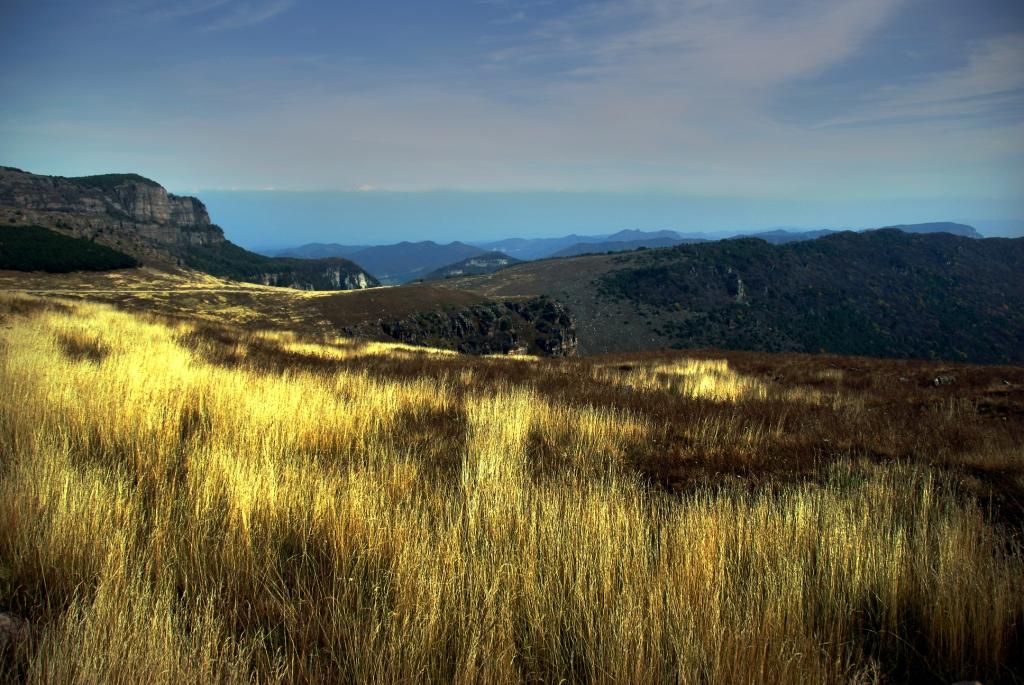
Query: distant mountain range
[
  {"x": 391, "y": 264},
  {"x": 620, "y": 246},
  {"x": 781, "y": 236},
  {"x": 404, "y": 262},
  {"x": 573, "y": 244},
  {"x": 318, "y": 251},
  {"x": 136, "y": 218},
  {"x": 409, "y": 261}
]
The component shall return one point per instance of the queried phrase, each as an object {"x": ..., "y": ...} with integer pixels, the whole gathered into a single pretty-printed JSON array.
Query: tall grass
[{"x": 165, "y": 517}]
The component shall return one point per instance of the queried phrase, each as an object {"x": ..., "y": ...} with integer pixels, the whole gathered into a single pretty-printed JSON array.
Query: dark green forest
[
  {"x": 33, "y": 248},
  {"x": 879, "y": 293}
]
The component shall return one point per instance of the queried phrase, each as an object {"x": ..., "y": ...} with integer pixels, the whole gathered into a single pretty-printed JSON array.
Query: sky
[{"x": 357, "y": 122}]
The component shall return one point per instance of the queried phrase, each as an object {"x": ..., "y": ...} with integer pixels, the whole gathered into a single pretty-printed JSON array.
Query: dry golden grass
[
  {"x": 710, "y": 379},
  {"x": 186, "y": 504}
]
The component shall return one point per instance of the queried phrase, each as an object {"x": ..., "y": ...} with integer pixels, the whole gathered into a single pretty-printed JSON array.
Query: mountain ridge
[
  {"x": 487, "y": 262},
  {"x": 526, "y": 249},
  {"x": 406, "y": 261},
  {"x": 136, "y": 216},
  {"x": 884, "y": 293}
]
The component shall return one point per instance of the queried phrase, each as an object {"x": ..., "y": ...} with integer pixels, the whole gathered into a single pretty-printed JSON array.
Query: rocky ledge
[
  {"x": 538, "y": 325},
  {"x": 138, "y": 217},
  {"x": 126, "y": 211}
]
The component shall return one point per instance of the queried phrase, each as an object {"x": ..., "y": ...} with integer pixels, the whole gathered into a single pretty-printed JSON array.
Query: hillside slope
[
  {"x": 879, "y": 293},
  {"x": 617, "y": 246},
  {"x": 33, "y": 248},
  {"x": 407, "y": 261},
  {"x": 137, "y": 216},
  {"x": 473, "y": 266}
]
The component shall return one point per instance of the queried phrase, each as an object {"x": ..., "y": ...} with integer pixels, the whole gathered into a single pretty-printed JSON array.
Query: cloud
[
  {"x": 245, "y": 14},
  {"x": 218, "y": 15},
  {"x": 513, "y": 18},
  {"x": 734, "y": 42},
  {"x": 689, "y": 96},
  {"x": 989, "y": 84},
  {"x": 149, "y": 13}
]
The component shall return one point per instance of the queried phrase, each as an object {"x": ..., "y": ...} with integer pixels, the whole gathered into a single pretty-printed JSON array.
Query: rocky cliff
[
  {"x": 126, "y": 211},
  {"x": 137, "y": 216},
  {"x": 538, "y": 325}
]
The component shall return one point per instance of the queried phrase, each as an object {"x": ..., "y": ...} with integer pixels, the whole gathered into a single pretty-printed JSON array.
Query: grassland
[
  {"x": 188, "y": 501},
  {"x": 187, "y": 294}
]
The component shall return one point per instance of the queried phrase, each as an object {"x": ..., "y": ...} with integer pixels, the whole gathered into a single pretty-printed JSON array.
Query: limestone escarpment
[
  {"x": 538, "y": 325},
  {"x": 137, "y": 216},
  {"x": 126, "y": 211},
  {"x": 318, "y": 276}
]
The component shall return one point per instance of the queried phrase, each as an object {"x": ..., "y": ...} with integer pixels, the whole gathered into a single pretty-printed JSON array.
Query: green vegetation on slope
[
  {"x": 228, "y": 260},
  {"x": 108, "y": 182},
  {"x": 33, "y": 248},
  {"x": 485, "y": 263},
  {"x": 881, "y": 293}
]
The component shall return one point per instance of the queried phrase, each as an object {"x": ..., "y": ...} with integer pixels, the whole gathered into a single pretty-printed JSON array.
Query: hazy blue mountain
[
  {"x": 317, "y": 250},
  {"x": 402, "y": 262},
  {"x": 630, "y": 235},
  {"x": 939, "y": 227},
  {"x": 619, "y": 246},
  {"x": 1000, "y": 228},
  {"x": 539, "y": 248},
  {"x": 782, "y": 236},
  {"x": 534, "y": 248},
  {"x": 406, "y": 261}
]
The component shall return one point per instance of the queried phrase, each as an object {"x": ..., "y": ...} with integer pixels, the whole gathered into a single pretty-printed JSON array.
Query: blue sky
[{"x": 543, "y": 115}]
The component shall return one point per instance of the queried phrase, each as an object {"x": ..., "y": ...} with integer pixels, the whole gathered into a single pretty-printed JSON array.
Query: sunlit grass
[
  {"x": 697, "y": 378},
  {"x": 167, "y": 517}
]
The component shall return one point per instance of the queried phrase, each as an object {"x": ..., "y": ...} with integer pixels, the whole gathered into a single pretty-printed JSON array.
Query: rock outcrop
[
  {"x": 317, "y": 274},
  {"x": 137, "y": 216},
  {"x": 125, "y": 211},
  {"x": 538, "y": 325}
]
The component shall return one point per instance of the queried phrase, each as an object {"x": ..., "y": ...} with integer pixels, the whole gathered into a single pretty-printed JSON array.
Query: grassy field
[
  {"x": 185, "y": 501},
  {"x": 193, "y": 295}
]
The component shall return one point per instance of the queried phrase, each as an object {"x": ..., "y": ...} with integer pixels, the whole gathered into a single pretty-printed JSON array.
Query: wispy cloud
[
  {"x": 155, "y": 14},
  {"x": 989, "y": 84},
  {"x": 217, "y": 15},
  {"x": 702, "y": 96},
  {"x": 249, "y": 14},
  {"x": 731, "y": 41}
]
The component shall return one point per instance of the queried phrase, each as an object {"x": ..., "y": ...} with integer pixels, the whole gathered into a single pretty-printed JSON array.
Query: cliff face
[
  {"x": 150, "y": 203},
  {"x": 137, "y": 216},
  {"x": 121, "y": 210},
  {"x": 538, "y": 325},
  {"x": 318, "y": 276}
]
